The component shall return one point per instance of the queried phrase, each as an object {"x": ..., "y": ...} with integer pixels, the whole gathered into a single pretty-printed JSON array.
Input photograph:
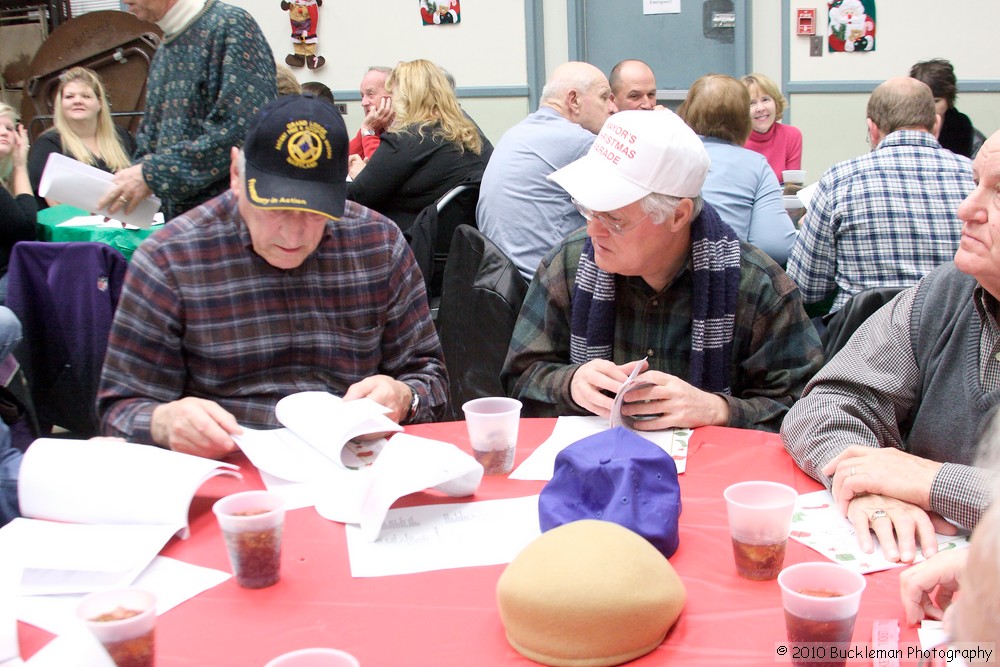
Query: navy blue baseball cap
[
  {"x": 618, "y": 476},
  {"x": 296, "y": 157}
]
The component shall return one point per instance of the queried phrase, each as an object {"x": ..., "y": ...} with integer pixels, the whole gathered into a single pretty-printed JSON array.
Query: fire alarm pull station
[{"x": 805, "y": 21}]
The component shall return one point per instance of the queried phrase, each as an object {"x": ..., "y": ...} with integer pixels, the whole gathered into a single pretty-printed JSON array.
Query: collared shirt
[
  {"x": 883, "y": 219},
  {"x": 775, "y": 347},
  {"x": 201, "y": 314},
  {"x": 519, "y": 209},
  {"x": 839, "y": 404}
]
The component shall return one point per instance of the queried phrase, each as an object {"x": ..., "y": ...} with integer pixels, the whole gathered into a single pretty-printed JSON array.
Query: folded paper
[{"x": 72, "y": 182}]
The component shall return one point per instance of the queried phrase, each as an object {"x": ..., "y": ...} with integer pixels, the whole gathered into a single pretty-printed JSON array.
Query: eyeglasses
[{"x": 614, "y": 227}]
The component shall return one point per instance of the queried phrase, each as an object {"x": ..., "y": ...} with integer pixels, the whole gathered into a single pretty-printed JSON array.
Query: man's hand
[
  {"x": 195, "y": 426},
  {"x": 677, "y": 404},
  {"x": 379, "y": 117},
  {"x": 917, "y": 585},
  {"x": 898, "y": 526},
  {"x": 385, "y": 391},
  {"x": 595, "y": 380},
  {"x": 128, "y": 191},
  {"x": 355, "y": 163},
  {"x": 881, "y": 470}
]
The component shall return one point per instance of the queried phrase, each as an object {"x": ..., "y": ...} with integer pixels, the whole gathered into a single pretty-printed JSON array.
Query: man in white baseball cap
[{"x": 657, "y": 278}]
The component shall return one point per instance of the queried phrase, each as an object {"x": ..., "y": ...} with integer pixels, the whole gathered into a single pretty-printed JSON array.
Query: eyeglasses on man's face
[{"x": 612, "y": 225}]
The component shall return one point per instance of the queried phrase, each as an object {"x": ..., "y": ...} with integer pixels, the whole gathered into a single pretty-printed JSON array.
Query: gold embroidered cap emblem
[{"x": 305, "y": 143}]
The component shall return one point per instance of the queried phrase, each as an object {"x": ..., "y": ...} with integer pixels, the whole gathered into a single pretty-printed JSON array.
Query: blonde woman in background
[
  {"x": 17, "y": 203},
  {"x": 83, "y": 129},
  {"x": 430, "y": 147},
  {"x": 781, "y": 144}
]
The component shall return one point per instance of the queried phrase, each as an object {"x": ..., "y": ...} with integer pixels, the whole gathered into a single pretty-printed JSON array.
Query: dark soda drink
[
  {"x": 815, "y": 643},
  {"x": 256, "y": 556},
  {"x": 134, "y": 652},
  {"x": 759, "y": 562},
  {"x": 131, "y": 652},
  {"x": 495, "y": 461}
]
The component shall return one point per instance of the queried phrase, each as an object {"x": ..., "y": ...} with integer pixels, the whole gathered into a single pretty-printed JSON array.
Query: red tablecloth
[{"x": 449, "y": 617}]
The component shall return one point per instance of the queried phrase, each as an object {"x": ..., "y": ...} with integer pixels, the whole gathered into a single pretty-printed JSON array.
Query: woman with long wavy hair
[
  {"x": 431, "y": 146},
  {"x": 83, "y": 129}
]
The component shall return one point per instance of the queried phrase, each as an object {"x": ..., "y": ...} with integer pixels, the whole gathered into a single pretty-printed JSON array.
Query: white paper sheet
[
  {"x": 78, "y": 558},
  {"x": 295, "y": 494},
  {"x": 931, "y": 633},
  {"x": 661, "y": 7},
  {"x": 541, "y": 463},
  {"x": 805, "y": 195},
  {"x": 440, "y": 537},
  {"x": 170, "y": 580},
  {"x": 818, "y": 524},
  {"x": 407, "y": 464},
  {"x": 77, "y": 647},
  {"x": 347, "y": 481},
  {"x": 103, "y": 481},
  {"x": 617, "y": 418},
  {"x": 101, "y": 221},
  {"x": 72, "y": 182},
  {"x": 283, "y": 454},
  {"x": 328, "y": 423}
]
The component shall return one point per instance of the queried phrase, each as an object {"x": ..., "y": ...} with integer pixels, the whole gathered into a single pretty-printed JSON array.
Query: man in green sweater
[{"x": 210, "y": 76}]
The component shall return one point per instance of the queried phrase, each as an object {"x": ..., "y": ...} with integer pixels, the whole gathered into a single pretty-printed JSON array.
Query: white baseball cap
[{"x": 637, "y": 152}]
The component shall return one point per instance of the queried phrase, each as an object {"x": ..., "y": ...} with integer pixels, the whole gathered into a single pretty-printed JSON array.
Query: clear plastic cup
[
  {"x": 124, "y": 621},
  {"x": 251, "y": 523},
  {"x": 821, "y": 601},
  {"x": 760, "y": 518},
  {"x": 796, "y": 176},
  {"x": 315, "y": 657},
  {"x": 492, "y": 423}
]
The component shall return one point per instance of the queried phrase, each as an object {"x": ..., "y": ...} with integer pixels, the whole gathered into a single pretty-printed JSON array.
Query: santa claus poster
[
  {"x": 443, "y": 12},
  {"x": 852, "y": 25}
]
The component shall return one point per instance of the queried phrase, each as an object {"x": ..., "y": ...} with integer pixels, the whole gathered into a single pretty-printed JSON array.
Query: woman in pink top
[{"x": 781, "y": 144}]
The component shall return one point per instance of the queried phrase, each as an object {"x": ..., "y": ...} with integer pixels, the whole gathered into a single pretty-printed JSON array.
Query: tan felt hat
[{"x": 588, "y": 594}]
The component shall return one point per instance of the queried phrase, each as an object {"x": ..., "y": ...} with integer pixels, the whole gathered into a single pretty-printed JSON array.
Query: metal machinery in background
[{"x": 115, "y": 44}]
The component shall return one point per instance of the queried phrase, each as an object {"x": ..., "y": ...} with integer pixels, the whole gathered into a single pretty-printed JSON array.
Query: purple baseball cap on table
[{"x": 618, "y": 476}]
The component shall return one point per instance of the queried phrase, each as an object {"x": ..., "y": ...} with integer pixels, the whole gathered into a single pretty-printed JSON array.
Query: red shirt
[
  {"x": 366, "y": 145},
  {"x": 781, "y": 145}
]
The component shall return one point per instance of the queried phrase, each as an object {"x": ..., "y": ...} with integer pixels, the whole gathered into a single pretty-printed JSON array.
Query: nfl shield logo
[{"x": 102, "y": 283}]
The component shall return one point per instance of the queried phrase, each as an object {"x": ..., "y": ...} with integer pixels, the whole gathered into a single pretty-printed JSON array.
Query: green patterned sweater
[{"x": 205, "y": 84}]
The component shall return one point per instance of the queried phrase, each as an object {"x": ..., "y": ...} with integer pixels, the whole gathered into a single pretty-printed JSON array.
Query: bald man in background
[
  {"x": 633, "y": 86},
  {"x": 520, "y": 210}
]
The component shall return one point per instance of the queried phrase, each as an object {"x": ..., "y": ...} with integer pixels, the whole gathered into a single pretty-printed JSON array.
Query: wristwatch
[
  {"x": 365, "y": 132},
  {"x": 414, "y": 404}
]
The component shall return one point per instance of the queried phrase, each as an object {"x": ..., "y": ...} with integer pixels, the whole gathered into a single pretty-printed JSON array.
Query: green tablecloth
[{"x": 124, "y": 240}]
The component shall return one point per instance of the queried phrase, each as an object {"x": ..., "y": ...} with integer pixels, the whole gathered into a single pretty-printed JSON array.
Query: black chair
[
  {"x": 843, "y": 323},
  {"x": 430, "y": 234},
  {"x": 65, "y": 295},
  {"x": 481, "y": 297},
  {"x": 978, "y": 138}
]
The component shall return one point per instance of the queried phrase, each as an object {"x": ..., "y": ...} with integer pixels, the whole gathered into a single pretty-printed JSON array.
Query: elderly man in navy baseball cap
[{"x": 277, "y": 286}]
